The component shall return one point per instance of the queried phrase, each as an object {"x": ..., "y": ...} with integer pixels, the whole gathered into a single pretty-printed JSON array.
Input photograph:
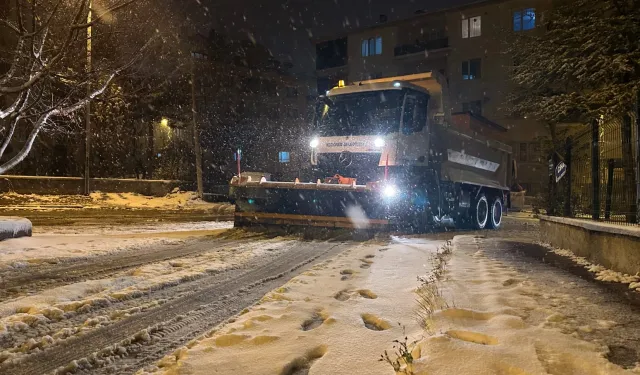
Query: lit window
[
  {"x": 471, "y": 69},
  {"x": 283, "y": 156},
  {"x": 379, "y": 45},
  {"x": 524, "y": 19},
  {"x": 372, "y": 46},
  {"x": 471, "y": 27}
]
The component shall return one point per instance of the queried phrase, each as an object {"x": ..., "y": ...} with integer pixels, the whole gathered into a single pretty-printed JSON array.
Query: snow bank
[
  {"x": 602, "y": 273},
  {"x": 14, "y": 227},
  {"x": 175, "y": 200}
]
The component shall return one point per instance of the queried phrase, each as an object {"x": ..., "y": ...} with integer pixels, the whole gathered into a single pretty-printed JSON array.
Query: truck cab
[{"x": 363, "y": 128}]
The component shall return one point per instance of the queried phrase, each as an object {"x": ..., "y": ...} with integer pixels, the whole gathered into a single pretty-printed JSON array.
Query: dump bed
[{"x": 471, "y": 159}]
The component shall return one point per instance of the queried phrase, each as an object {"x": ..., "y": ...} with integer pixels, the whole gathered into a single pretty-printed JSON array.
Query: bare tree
[{"x": 44, "y": 78}]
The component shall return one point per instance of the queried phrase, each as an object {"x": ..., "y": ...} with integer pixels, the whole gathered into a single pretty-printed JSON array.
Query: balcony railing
[{"x": 421, "y": 46}]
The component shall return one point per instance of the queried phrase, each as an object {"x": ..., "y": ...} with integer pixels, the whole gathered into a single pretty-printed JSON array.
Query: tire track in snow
[
  {"x": 38, "y": 278},
  {"x": 75, "y": 324},
  {"x": 206, "y": 308}
]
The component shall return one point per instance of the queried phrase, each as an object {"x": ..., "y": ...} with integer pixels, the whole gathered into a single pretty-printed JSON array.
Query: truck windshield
[{"x": 363, "y": 113}]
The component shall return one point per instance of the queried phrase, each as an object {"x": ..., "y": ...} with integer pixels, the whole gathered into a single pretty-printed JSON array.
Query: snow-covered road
[{"x": 189, "y": 298}]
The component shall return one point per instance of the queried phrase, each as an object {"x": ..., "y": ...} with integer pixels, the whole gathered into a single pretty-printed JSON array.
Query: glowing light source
[
  {"x": 396, "y": 84},
  {"x": 379, "y": 142},
  {"x": 314, "y": 143},
  {"x": 390, "y": 191},
  {"x": 164, "y": 122}
]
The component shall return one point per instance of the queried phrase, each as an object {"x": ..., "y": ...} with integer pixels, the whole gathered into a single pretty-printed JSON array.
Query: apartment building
[{"x": 468, "y": 46}]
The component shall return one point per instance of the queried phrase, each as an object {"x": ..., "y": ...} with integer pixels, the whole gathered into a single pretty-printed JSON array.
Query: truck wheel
[
  {"x": 495, "y": 214},
  {"x": 480, "y": 212}
]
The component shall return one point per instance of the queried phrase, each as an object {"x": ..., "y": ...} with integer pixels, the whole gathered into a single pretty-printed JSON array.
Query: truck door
[{"x": 414, "y": 135}]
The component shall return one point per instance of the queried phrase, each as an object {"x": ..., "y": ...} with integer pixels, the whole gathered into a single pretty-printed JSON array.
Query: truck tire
[
  {"x": 480, "y": 212},
  {"x": 495, "y": 214}
]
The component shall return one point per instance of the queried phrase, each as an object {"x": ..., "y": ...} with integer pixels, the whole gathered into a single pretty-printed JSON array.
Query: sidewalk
[{"x": 14, "y": 227}]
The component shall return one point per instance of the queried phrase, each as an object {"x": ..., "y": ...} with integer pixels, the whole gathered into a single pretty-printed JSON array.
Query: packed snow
[
  {"x": 53, "y": 244},
  {"x": 64, "y": 302},
  {"x": 341, "y": 316}
]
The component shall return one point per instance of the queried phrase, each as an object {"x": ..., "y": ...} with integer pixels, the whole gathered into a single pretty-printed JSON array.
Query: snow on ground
[
  {"x": 486, "y": 325},
  {"x": 336, "y": 318},
  {"x": 340, "y": 316},
  {"x": 174, "y": 200},
  {"x": 163, "y": 229},
  {"x": 59, "y": 243},
  {"x": 63, "y": 302},
  {"x": 602, "y": 273}
]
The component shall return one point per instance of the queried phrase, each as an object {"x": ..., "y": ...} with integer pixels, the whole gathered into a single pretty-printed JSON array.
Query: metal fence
[{"x": 595, "y": 174}]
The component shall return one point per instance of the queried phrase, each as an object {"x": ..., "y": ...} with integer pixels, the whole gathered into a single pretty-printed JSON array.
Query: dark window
[
  {"x": 331, "y": 54},
  {"x": 408, "y": 114},
  {"x": 283, "y": 156},
  {"x": 524, "y": 19},
  {"x": 471, "y": 69},
  {"x": 379, "y": 45},
  {"x": 292, "y": 92},
  {"x": 523, "y": 152},
  {"x": 473, "y": 107},
  {"x": 414, "y": 116},
  {"x": 374, "y": 112}
]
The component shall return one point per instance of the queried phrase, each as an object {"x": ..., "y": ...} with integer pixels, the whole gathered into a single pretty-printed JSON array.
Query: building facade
[{"x": 468, "y": 45}]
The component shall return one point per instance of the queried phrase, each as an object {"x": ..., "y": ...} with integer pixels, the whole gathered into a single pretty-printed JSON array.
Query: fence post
[
  {"x": 567, "y": 160},
  {"x": 627, "y": 167},
  {"x": 637, "y": 156},
  {"x": 611, "y": 164},
  {"x": 551, "y": 203},
  {"x": 595, "y": 169}
]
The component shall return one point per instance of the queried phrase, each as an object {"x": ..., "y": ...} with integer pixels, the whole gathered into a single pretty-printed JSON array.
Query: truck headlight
[
  {"x": 379, "y": 142},
  {"x": 314, "y": 143},
  {"x": 390, "y": 191}
]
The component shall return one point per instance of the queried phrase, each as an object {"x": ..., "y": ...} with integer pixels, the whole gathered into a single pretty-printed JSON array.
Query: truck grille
[{"x": 363, "y": 166}]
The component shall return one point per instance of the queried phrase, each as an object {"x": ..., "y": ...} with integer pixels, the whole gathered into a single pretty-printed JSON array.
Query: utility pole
[
  {"x": 196, "y": 135},
  {"x": 87, "y": 114}
]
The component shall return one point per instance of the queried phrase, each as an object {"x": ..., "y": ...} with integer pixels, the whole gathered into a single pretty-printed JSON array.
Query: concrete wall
[
  {"x": 614, "y": 246},
  {"x": 74, "y": 185}
]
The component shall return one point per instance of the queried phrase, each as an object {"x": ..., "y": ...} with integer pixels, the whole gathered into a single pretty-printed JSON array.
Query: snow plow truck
[{"x": 384, "y": 155}]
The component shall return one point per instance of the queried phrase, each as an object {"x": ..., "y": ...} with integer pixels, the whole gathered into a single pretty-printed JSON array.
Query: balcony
[{"x": 421, "y": 46}]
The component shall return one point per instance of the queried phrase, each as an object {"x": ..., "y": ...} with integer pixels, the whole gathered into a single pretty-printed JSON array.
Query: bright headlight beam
[
  {"x": 314, "y": 143},
  {"x": 379, "y": 142},
  {"x": 390, "y": 191}
]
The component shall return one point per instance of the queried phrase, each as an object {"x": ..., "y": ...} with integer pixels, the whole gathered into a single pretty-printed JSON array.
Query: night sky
[{"x": 287, "y": 27}]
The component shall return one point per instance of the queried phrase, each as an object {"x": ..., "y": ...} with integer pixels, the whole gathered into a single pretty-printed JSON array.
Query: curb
[{"x": 14, "y": 227}]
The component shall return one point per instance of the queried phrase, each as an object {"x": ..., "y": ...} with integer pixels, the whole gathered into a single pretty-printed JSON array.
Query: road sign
[{"x": 561, "y": 170}]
